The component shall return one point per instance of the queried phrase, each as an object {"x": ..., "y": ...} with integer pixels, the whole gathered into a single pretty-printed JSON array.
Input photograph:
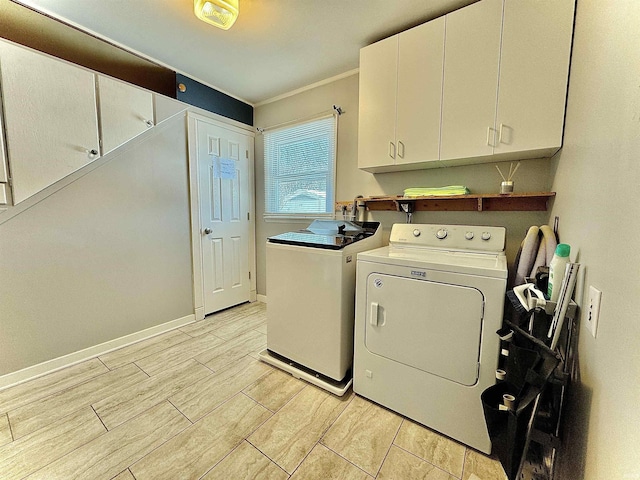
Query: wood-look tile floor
[{"x": 196, "y": 403}]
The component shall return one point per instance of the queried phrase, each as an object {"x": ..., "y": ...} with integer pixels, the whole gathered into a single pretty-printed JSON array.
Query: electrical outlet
[{"x": 593, "y": 309}]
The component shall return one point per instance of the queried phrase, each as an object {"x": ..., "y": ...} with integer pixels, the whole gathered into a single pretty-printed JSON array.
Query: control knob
[
  {"x": 469, "y": 235},
  {"x": 486, "y": 236},
  {"x": 441, "y": 234},
  {"x": 416, "y": 232}
]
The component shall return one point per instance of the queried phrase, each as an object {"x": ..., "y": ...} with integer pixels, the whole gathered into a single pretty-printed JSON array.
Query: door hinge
[
  {"x": 246, "y": 154},
  {"x": 248, "y": 216},
  {"x": 249, "y": 274}
]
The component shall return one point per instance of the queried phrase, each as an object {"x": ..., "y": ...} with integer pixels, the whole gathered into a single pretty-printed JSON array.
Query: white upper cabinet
[
  {"x": 471, "y": 68},
  {"x": 534, "y": 70},
  {"x": 487, "y": 82},
  {"x": 50, "y": 118},
  {"x": 421, "y": 55},
  {"x": 377, "y": 106},
  {"x": 125, "y": 112},
  {"x": 400, "y": 91}
]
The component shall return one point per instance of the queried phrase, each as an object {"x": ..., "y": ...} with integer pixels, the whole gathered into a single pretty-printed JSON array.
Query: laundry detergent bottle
[{"x": 556, "y": 270}]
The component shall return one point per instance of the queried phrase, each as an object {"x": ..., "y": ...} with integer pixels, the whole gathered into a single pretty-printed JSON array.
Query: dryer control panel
[{"x": 451, "y": 237}]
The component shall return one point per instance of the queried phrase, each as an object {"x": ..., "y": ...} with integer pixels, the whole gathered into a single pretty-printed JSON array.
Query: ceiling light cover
[{"x": 221, "y": 13}]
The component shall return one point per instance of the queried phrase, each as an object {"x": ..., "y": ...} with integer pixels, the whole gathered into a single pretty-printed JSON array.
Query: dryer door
[{"x": 435, "y": 327}]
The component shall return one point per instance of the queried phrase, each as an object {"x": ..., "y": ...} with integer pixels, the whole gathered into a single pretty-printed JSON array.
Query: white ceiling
[{"x": 275, "y": 46}]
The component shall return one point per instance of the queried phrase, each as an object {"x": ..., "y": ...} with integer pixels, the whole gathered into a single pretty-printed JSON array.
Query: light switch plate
[{"x": 593, "y": 310}]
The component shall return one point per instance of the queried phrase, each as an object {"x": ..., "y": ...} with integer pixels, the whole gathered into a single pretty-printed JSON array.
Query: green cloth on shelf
[{"x": 436, "y": 191}]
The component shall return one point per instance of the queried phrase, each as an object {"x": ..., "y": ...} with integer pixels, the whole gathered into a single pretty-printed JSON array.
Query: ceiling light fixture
[{"x": 221, "y": 13}]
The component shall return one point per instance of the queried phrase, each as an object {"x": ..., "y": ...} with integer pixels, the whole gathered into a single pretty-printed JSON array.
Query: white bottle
[{"x": 557, "y": 268}]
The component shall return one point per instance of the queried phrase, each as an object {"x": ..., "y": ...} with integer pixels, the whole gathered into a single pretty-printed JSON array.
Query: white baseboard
[
  {"x": 59, "y": 363},
  {"x": 261, "y": 298}
]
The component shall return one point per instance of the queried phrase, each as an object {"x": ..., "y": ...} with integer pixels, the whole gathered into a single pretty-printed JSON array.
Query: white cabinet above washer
[
  {"x": 400, "y": 89},
  {"x": 534, "y": 69},
  {"x": 470, "y": 84},
  {"x": 504, "y": 83}
]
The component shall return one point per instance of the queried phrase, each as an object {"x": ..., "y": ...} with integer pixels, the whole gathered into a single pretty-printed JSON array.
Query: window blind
[{"x": 299, "y": 165}]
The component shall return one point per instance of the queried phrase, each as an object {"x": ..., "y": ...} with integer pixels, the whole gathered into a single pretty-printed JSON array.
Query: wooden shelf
[{"x": 494, "y": 202}]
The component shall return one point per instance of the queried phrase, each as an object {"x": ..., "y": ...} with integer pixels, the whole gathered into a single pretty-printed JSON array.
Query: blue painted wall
[{"x": 210, "y": 99}]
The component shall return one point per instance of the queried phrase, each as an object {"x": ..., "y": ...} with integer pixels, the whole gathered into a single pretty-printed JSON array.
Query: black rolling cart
[{"x": 523, "y": 410}]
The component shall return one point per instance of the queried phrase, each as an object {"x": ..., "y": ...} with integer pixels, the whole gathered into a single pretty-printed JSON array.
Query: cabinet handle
[
  {"x": 148, "y": 123},
  {"x": 489, "y": 130},
  {"x": 392, "y": 150},
  {"x": 401, "y": 149},
  {"x": 93, "y": 153},
  {"x": 505, "y": 133}
]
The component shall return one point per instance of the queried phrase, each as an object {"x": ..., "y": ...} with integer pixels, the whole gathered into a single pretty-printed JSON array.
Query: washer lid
[
  {"x": 472, "y": 263},
  {"x": 328, "y": 234}
]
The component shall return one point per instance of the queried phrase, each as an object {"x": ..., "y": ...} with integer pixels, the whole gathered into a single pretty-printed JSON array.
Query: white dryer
[{"x": 427, "y": 309}]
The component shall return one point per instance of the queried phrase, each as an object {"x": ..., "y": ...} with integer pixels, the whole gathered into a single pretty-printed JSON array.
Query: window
[{"x": 299, "y": 163}]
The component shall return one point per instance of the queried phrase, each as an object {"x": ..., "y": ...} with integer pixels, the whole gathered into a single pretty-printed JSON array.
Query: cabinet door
[
  {"x": 377, "y": 106},
  {"x": 472, "y": 54},
  {"x": 50, "y": 118},
  {"x": 125, "y": 112},
  {"x": 534, "y": 70},
  {"x": 420, "y": 60}
]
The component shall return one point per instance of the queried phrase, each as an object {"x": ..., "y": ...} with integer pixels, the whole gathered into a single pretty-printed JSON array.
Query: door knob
[{"x": 208, "y": 231}]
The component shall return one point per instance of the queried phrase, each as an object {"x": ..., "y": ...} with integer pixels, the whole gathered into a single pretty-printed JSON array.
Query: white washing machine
[
  {"x": 427, "y": 309},
  {"x": 311, "y": 281}
]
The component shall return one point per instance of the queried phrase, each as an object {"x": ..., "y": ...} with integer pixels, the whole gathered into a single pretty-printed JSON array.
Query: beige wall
[
  {"x": 533, "y": 175},
  {"x": 597, "y": 177},
  {"x": 106, "y": 256}
]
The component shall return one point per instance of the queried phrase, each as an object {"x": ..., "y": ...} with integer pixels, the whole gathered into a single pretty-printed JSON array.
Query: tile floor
[{"x": 195, "y": 403}]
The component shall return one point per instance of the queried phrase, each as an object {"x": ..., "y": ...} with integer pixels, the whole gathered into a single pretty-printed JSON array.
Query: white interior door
[{"x": 224, "y": 198}]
